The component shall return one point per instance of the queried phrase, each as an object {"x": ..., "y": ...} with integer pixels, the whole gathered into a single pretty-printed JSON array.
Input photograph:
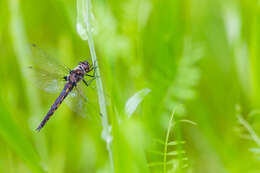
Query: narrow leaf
[
  {"x": 255, "y": 150},
  {"x": 174, "y": 153},
  {"x": 134, "y": 101},
  {"x": 174, "y": 161},
  {"x": 176, "y": 142},
  {"x": 188, "y": 121},
  {"x": 84, "y": 18}
]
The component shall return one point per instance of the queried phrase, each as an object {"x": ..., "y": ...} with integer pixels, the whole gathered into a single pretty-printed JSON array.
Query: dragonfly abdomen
[{"x": 64, "y": 93}]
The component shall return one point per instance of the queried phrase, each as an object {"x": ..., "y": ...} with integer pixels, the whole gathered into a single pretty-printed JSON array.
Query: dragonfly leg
[
  {"x": 68, "y": 69},
  {"x": 85, "y": 82},
  {"x": 89, "y": 75},
  {"x": 93, "y": 66},
  {"x": 91, "y": 80}
]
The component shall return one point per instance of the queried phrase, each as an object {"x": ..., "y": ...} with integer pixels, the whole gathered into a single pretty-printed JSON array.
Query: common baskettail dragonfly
[{"x": 53, "y": 78}]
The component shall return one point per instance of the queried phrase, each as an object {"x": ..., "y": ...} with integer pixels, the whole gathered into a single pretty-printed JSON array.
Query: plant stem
[
  {"x": 106, "y": 134},
  {"x": 166, "y": 142}
]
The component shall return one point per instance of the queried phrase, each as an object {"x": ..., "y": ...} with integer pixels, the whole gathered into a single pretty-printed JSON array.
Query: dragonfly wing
[
  {"x": 49, "y": 82},
  {"x": 77, "y": 102},
  {"x": 82, "y": 100},
  {"x": 43, "y": 60},
  {"x": 48, "y": 71}
]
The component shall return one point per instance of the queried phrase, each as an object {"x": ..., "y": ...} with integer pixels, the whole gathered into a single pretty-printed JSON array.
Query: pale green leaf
[{"x": 134, "y": 101}]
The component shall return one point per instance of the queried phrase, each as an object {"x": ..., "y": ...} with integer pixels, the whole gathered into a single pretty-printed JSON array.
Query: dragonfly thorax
[{"x": 78, "y": 73}]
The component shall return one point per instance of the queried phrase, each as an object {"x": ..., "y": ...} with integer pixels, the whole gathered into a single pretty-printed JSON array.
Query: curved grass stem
[
  {"x": 170, "y": 125},
  {"x": 85, "y": 31},
  {"x": 106, "y": 134}
]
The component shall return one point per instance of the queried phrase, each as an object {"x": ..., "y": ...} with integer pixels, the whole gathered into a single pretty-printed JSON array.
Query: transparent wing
[
  {"x": 42, "y": 60},
  {"x": 77, "y": 102},
  {"x": 49, "y": 82},
  {"x": 48, "y": 72},
  {"x": 82, "y": 100}
]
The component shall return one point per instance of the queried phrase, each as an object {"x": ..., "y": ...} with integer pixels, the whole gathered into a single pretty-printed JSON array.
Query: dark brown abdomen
[{"x": 64, "y": 93}]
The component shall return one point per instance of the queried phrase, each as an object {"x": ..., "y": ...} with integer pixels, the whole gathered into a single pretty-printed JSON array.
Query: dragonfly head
[{"x": 85, "y": 66}]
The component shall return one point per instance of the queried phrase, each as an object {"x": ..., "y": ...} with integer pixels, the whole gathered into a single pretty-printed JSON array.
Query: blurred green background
[{"x": 198, "y": 57}]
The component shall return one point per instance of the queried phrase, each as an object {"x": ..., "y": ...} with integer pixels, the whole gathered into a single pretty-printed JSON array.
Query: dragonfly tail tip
[{"x": 38, "y": 129}]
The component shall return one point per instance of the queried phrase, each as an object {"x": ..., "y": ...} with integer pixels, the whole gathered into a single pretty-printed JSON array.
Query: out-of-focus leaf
[
  {"x": 176, "y": 142},
  {"x": 17, "y": 141},
  {"x": 134, "y": 101},
  {"x": 255, "y": 150},
  {"x": 84, "y": 19},
  {"x": 188, "y": 121}
]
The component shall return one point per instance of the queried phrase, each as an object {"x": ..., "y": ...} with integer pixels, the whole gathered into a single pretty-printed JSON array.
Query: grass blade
[
  {"x": 84, "y": 16},
  {"x": 20, "y": 145}
]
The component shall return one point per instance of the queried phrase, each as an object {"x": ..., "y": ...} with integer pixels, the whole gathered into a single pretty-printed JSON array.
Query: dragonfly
[{"x": 56, "y": 77}]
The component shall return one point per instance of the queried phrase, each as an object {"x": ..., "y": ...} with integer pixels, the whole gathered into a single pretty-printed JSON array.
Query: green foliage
[
  {"x": 247, "y": 131},
  {"x": 199, "y": 56},
  {"x": 17, "y": 140},
  {"x": 182, "y": 89},
  {"x": 134, "y": 101},
  {"x": 174, "y": 159}
]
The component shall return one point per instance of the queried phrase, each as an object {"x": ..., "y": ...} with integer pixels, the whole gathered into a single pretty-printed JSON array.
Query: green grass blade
[{"x": 17, "y": 141}]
